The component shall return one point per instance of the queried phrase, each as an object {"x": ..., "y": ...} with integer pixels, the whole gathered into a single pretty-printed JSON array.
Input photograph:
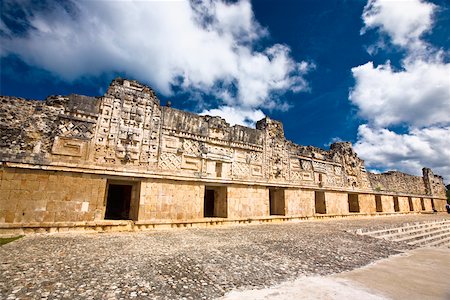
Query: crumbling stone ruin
[{"x": 125, "y": 161}]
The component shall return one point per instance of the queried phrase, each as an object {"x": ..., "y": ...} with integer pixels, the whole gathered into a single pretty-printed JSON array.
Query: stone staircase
[{"x": 423, "y": 234}]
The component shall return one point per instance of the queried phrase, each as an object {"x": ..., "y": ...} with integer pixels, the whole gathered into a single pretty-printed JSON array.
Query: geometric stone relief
[
  {"x": 169, "y": 161},
  {"x": 171, "y": 143},
  {"x": 75, "y": 129},
  {"x": 191, "y": 163},
  {"x": 337, "y": 170},
  {"x": 254, "y": 157},
  {"x": 240, "y": 169},
  {"x": 306, "y": 165},
  {"x": 296, "y": 176},
  {"x": 307, "y": 176},
  {"x": 191, "y": 147},
  {"x": 294, "y": 164},
  {"x": 319, "y": 167},
  {"x": 218, "y": 152},
  {"x": 69, "y": 147},
  {"x": 257, "y": 170}
]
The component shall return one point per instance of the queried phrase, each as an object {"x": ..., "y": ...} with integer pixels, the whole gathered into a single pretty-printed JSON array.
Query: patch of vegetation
[{"x": 4, "y": 241}]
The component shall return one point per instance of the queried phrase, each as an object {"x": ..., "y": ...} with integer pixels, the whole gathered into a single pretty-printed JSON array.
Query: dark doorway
[
  {"x": 215, "y": 202},
  {"x": 396, "y": 206},
  {"x": 276, "y": 202},
  {"x": 411, "y": 205},
  {"x": 118, "y": 202},
  {"x": 209, "y": 203},
  {"x": 320, "y": 202},
  {"x": 422, "y": 204},
  {"x": 378, "y": 204},
  {"x": 353, "y": 203}
]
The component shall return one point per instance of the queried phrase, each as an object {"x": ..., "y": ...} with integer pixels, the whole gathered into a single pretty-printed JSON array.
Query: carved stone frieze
[{"x": 127, "y": 128}]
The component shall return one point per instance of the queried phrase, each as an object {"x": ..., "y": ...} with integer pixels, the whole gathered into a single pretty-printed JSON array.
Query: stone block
[
  {"x": 8, "y": 205},
  {"x": 336, "y": 203},
  {"x": 387, "y": 203},
  {"x": 367, "y": 203},
  {"x": 403, "y": 203},
  {"x": 9, "y": 216},
  {"x": 417, "y": 205}
]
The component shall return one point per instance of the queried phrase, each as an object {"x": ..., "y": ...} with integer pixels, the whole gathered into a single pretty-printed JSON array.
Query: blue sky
[{"x": 374, "y": 72}]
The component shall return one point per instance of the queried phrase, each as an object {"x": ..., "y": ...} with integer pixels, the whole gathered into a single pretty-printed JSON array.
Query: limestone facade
[{"x": 123, "y": 156}]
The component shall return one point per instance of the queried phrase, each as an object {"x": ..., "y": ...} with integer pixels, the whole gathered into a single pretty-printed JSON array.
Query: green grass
[{"x": 4, "y": 241}]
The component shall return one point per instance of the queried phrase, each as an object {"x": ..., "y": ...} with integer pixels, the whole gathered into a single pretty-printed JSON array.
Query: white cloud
[
  {"x": 418, "y": 95},
  {"x": 385, "y": 149},
  {"x": 405, "y": 21},
  {"x": 233, "y": 115},
  {"x": 208, "y": 47}
]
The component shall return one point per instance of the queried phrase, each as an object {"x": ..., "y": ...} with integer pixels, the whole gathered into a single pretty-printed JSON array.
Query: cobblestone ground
[{"x": 187, "y": 263}]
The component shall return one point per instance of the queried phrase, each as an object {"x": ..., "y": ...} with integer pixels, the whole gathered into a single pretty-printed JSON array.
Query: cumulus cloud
[
  {"x": 416, "y": 95},
  {"x": 403, "y": 21},
  {"x": 233, "y": 115},
  {"x": 386, "y": 149},
  {"x": 204, "y": 46}
]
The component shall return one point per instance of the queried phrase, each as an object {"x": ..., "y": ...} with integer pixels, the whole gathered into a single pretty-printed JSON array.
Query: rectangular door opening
[
  {"x": 215, "y": 202},
  {"x": 422, "y": 204},
  {"x": 118, "y": 202},
  {"x": 320, "y": 205},
  {"x": 276, "y": 202},
  {"x": 411, "y": 205},
  {"x": 378, "y": 205},
  {"x": 396, "y": 206},
  {"x": 353, "y": 203}
]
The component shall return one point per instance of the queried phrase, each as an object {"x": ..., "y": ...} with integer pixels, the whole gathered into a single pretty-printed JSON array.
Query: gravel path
[{"x": 188, "y": 263}]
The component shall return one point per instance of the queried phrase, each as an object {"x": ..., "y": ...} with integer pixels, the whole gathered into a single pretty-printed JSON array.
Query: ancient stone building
[{"x": 125, "y": 161}]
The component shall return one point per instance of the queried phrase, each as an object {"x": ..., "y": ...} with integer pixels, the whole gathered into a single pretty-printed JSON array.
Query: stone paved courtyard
[{"x": 188, "y": 263}]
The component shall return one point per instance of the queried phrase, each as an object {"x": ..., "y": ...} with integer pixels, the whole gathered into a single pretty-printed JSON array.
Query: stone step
[
  {"x": 440, "y": 243},
  {"x": 424, "y": 230},
  {"x": 406, "y": 228},
  {"x": 434, "y": 238},
  {"x": 420, "y": 235}
]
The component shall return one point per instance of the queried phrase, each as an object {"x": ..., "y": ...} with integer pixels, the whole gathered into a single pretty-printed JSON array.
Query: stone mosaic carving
[{"x": 128, "y": 130}]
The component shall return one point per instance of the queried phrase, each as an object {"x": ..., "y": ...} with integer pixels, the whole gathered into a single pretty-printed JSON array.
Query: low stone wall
[
  {"x": 299, "y": 202},
  {"x": 170, "y": 200},
  {"x": 36, "y": 196},
  {"x": 247, "y": 201},
  {"x": 394, "y": 181},
  {"x": 41, "y": 197},
  {"x": 336, "y": 203},
  {"x": 367, "y": 203}
]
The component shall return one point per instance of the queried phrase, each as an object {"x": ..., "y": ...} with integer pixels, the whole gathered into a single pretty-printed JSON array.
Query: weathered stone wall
[
  {"x": 367, "y": 203},
  {"x": 434, "y": 184},
  {"x": 417, "y": 206},
  {"x": 336, "y": 203},
  {"x": 394, "y": 181},
  {"x": 387, "y": 203},
  {"x": 299, "y": 202},
  {"x": 27, "y": 128},
  {"x": 439, "y": 204},
  {"x": 403, "y": 204},
  {"x": 35, "y": 196},
  {"x": 127, "y": 130},
  {"x": 169, "y": 157},
  {"x": 247, "y": 201},
  {"x": 163, "y": 200}
]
